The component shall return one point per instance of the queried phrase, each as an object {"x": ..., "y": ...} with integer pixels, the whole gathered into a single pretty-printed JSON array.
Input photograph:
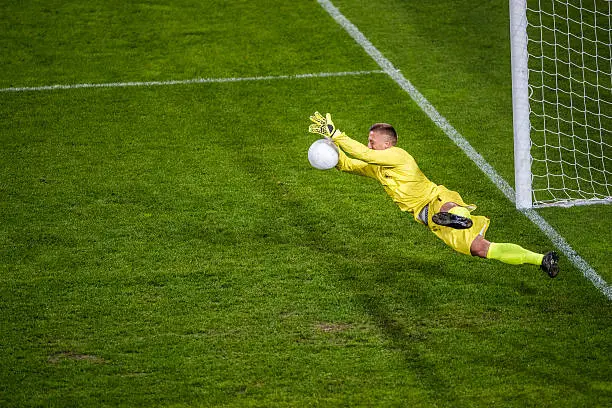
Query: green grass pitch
[{"x": 171, "y": 246}]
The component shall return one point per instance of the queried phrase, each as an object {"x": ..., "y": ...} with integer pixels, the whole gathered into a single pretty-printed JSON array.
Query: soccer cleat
[
  {"x": 455, "y": 221},
  {"x": 550, "y": 264}
]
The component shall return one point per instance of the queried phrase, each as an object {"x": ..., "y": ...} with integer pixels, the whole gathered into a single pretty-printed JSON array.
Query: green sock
[{"x": 513, "y": 254}]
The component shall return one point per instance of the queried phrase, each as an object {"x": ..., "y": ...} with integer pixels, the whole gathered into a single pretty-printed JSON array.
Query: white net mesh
[{"x": 570, "y": 98}]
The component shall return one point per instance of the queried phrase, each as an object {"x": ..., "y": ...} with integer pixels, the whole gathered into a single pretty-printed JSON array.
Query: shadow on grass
[{"x": 369, "y": 284}]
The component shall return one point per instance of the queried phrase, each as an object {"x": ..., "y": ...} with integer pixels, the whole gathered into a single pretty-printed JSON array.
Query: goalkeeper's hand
[{"x": 323, "y": 125}]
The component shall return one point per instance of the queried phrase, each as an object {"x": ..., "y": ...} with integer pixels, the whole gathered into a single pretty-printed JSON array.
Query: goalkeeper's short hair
[{"x": 387, "y": 130}]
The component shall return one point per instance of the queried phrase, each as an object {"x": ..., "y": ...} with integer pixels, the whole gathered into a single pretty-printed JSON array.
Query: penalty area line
[
  {"x": 188, "y": 81},
  {"x": 464, "y": 145}
]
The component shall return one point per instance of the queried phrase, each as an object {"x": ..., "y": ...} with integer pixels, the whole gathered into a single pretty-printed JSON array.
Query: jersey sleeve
[
  {"x": 354, "y": 166},
  {"x": 389, "y": 157}
]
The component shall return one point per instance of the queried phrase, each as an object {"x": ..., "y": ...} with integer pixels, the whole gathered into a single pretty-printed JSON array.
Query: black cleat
[
  {"x": 455, "y": 221},
  {"x": 550, "y": 264}
]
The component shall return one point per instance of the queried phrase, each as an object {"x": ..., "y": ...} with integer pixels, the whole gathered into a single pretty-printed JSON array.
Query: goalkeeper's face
[{"x": 378, "y": 141}]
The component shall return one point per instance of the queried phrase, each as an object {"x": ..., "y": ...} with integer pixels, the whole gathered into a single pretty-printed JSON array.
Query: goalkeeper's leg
[{"x": 515, "y": 255}]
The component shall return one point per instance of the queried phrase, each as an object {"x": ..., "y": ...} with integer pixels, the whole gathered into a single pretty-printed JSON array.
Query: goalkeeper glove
[{"x": 323, "y": 125}]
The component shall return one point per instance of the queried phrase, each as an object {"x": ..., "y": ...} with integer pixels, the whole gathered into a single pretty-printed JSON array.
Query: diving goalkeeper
[{"x": 443, "y": 211}]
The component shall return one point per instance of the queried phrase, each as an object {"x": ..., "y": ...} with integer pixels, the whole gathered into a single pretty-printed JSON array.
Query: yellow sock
[
  {"x": 462, "y": 211},
  {"x": 513, "y": 254}
]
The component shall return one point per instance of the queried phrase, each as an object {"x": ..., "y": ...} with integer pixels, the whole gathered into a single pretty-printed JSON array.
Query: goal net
[{"x": 562, "y": 101}]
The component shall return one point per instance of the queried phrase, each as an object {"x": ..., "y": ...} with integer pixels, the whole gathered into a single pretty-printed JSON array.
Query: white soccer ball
[{"x": 323, "y": 154}]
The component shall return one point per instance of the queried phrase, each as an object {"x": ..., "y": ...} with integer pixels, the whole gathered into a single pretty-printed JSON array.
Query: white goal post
[{"x": 562, "y": 101}]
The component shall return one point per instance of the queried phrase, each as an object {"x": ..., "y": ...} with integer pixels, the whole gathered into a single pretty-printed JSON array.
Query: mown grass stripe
[
  {"x": 464, "y": 145},
  {"x": 187, "y": 81}
]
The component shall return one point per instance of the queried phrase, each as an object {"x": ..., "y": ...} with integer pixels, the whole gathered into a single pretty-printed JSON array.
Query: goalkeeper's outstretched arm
[
  {"x": 362, "y": 157},
  {"x": 388, "y": 157},
  {"x": 354, "y": 166}
]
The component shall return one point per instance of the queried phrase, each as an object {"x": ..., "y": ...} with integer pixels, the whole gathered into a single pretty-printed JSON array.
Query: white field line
[
  {"x": 464, "y": 145},
  {"x": 187, "y": 81}
]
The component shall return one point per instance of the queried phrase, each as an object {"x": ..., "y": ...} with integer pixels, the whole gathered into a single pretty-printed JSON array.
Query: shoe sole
[{"x": 455, "y": 221}]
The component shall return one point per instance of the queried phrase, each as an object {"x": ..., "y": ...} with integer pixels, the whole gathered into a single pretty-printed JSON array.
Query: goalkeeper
[{"x": 443, "y": 211}]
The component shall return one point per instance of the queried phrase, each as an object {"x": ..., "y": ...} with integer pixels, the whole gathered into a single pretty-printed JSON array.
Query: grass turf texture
[{"x": 172, "y": 246}]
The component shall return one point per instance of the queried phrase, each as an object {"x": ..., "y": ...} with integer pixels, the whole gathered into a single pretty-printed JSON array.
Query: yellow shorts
[{"x": 459, "y": 240}]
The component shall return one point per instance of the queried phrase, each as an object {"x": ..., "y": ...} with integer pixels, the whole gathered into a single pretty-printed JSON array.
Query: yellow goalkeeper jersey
[{"x": 394, "y": 168}]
